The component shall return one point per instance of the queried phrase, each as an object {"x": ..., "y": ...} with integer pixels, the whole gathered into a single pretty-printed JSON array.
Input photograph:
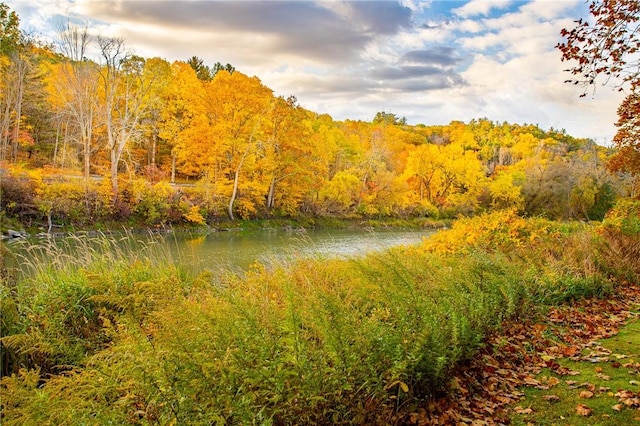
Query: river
[{"x": 236, "y": 251}]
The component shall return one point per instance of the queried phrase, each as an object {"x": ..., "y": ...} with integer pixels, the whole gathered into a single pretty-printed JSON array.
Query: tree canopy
[{"x": 608, "y": 47}]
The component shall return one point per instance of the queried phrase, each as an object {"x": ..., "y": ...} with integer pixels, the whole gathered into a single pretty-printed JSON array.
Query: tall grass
[{"x": 312, "y": 341}]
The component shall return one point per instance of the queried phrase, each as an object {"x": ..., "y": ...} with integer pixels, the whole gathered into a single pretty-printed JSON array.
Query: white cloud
[{"x": 480, "y": 7}]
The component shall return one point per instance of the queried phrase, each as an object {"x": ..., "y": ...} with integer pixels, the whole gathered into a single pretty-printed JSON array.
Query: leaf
[
  {"x": 525, "y": 411},
  {"x": 551, "y": 398},
  {"x": 583, "y": 410},
  {"x": 553, "y": 381},
  {"x": 586, "y": 394},
  {"x": 617, "y": 407}
]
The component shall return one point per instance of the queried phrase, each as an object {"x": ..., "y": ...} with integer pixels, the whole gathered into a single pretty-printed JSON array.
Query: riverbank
[
  {"x": 372, "y": 340},
  {"x": 12, "y": 230}
]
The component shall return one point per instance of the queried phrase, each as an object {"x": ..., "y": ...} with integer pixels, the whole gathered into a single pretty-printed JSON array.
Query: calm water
[{"x": 237, "y": 251}]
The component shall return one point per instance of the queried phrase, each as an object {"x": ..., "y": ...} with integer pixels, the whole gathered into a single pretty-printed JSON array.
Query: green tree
[
  {"x": 10, "y": 34},
  {"x": 203, "y": 72}
]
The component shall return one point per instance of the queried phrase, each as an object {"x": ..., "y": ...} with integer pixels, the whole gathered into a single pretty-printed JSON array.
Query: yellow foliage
[
  {"x": 490, "y": 231},
  {"x": 194, "y": 216}
]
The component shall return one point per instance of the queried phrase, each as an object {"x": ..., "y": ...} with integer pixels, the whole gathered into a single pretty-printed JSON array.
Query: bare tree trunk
[
  {"x": 271, "y": 194},
  {"x": 173, "y": 166},
  {"x": 153, "y": 149},
  {"x": 114, "y": 172},
  {"x": 236, "y": 177}
]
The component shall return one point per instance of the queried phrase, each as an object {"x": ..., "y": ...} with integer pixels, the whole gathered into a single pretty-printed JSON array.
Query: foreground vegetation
[{"x": 110, "y": 337}]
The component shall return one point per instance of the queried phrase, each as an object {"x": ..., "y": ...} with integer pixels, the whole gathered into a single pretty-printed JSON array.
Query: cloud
[
  {"x": 440, "y": 55},
  {"x": 480, "y": 7},
  {"x": 329, "y": 32}
]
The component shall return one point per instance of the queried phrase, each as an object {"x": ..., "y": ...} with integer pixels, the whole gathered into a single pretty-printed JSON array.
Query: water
[
  {"x": 236, "y": 251},
  {"x": 239, "y": 251}
]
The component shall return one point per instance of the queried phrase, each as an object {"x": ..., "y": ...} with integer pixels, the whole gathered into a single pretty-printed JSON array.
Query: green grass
[{"x": 607, "y": 367}]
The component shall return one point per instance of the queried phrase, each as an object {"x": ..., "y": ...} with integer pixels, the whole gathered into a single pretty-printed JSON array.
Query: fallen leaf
[
  {"x": 586, "y": 394},
  {"x": 553, "y": 381},
  {"x": 583, "y": 410},
  {"x": 551, "y": 398},
  {"x": 617, "y": 407},
  {"x": 603, "y": 377},
  {"x": 521, "y": 410}
]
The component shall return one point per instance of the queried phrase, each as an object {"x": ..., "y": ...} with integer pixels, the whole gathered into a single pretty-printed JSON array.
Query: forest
[{"x": 151, "y": 143}]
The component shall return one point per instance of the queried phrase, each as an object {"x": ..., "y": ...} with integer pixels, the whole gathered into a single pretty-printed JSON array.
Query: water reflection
[{"x": 228, "y": 250}]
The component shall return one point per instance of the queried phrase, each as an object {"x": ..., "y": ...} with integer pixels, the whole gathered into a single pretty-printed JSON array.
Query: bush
[{"x": 621, "y": 231}]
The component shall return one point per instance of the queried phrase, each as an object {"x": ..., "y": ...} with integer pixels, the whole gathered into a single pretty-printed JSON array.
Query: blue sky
[{"x": 430, "y": 61}]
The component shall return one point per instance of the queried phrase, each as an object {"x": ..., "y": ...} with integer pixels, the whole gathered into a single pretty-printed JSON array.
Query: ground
[{"x": 578, "y": 364}]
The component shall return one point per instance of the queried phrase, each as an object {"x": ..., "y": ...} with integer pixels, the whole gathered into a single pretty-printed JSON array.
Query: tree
[
  {"x": 627, "y": 139},
  {"x": 238, "y": 105},
  {"x": 75, "y": 87},
  {"x": 10, "y": 34},
  {"x": 610, "y": 47},
  {"x": 203, "y": 72},
  {"x": 289, "y": 154},
  {"x": 383, "y": 117},
  {"x": 184, "y": 122},
  {"x": 217, "y": 67},
  {"x": 128, "y": 86},
  {"x": 15, "y": 65}
]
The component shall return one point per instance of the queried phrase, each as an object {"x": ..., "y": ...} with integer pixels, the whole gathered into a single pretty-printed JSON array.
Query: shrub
[{"x": 621, "y": 231}]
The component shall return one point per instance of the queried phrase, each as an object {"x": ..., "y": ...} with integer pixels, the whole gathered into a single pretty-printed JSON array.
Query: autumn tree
[
  {"x": 160, "y": 69},
  {"x": 184, "y": 122},
  {"x": 237, "y": 105},
  {"x": 627, "y": 139},
  {"x": 74, "y": 85},
  {"x": 609, "y": 47},
  {"x": 289, "y": 158},
  {"x": 128, "y": 86},
  {"x": 15, "y": 65}
]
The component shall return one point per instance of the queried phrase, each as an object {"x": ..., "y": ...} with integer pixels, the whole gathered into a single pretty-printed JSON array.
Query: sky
[{"x": 429, "y": 61}]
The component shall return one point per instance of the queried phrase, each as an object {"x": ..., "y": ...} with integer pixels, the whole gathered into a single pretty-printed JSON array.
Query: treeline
[{"x": 143, "y": 123}]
